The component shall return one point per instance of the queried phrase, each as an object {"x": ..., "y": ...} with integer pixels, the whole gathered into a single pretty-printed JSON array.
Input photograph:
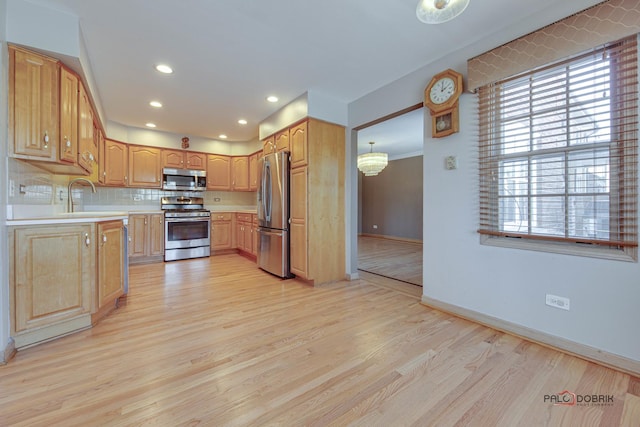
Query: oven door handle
[{"x": 187, "y": 219}]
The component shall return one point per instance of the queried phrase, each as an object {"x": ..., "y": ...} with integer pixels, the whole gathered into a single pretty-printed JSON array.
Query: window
[{"x": 558, "y": 154}]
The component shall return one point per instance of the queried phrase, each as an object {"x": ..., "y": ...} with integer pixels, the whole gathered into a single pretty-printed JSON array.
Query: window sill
[{"x": 576, "y": 249}]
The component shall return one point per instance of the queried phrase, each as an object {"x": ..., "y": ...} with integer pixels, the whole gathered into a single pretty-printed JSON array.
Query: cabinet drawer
[
  {"x": 221, "y": 216},
  {"x": 243, "y": 217}
]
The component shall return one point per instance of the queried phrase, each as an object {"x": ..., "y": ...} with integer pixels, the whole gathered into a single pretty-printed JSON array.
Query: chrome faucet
[{"x": 70, "y": 197}]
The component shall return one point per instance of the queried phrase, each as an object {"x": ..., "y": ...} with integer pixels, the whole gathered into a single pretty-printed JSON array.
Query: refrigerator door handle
[
  {"x": 272, "y": 233},
  {"x": 266, "y": 184}
]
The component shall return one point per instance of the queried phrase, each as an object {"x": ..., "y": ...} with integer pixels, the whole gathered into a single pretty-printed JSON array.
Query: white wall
[
  {"x": 4, "y": 270},
  {"x": 503, "y": 283}
]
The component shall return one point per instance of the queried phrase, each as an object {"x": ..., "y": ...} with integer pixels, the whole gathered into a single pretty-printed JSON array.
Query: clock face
[{"x": 442, "y": 90}]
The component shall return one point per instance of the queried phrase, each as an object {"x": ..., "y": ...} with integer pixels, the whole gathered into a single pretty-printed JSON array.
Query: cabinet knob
[
  {"x": 68, "y": 143},
  {"x": 87, "y": 240},
  {"x": 104, "y": 238},
  {"x": 46, "y": 139}
]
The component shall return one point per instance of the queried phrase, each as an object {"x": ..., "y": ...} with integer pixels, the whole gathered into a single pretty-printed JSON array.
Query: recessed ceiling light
[
  {"x": 272, "y": 98},
  {"x": 163, "y": 68},
  {"x": 156, "y": 104},
  {"x": 150, "y": 125},
  {"x": 222, "y": 136},
  {"x": 242, "y": 121}
]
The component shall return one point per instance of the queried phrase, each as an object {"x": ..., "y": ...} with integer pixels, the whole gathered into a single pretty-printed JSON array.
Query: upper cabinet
[
  {"x": 51, "y": 117},
  {"x": 218, "y": 172},
  {"x": 240, "y": 173},
  {"x": 184, "y": 159},
  {"x": 145, "y": 168},
  {"x": 282, "y": 140},
  {"x": 269, "y": 145},
  {"x": 68, "y": 116},
  {"x": 87, "y": 151},
  {"x": 116, "y": 158},
  {"x": 298, "y": 144},
  {"x": 33, "y": 105},
  {"x": 253, "y": 171}
]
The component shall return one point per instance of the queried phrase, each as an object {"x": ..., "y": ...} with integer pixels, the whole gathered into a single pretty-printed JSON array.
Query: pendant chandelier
[
  {"x": 439, "y": 11},
  {"x": 371, "y": 163}
]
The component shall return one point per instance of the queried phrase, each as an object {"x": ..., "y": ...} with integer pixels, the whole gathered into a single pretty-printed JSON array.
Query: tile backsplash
[{"x": 30, "y": 185}]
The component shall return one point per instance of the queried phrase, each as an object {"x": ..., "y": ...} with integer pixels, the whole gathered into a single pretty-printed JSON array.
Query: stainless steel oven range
[{"x": 187, "y": 227}]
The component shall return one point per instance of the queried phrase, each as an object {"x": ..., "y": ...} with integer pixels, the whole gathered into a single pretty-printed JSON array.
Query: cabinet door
[
  {"x": 268, "y": 145},
  {"x": 298, "y": 225},
  {"x": 110, "y": 263},
  {"x": 172, "y": 159},
  {"x": 68, "y": 116},
  {"x": 282, "y": 140},
  {"x": 196, "y": 161},
  {"x": 240, "y": 172},
  {"x": 115, "y": 163},
  {"x": 218, "y": 172},
  {"x": 156, "y": 234},
  {"x": 53, "y": 274},
  {"x": 240, "y": 235},
  {"x": 253, "y": 172},
  {"x": 144, "y": 166},
  {"x": 33, "y": 105},
  {"x": 298, "y": 141},
  {"x": 86, "y": 149},
  {"x": 220, "y": 235},
  {"x": 138, "y": 235},
  {"x": 254, "y": 231}
]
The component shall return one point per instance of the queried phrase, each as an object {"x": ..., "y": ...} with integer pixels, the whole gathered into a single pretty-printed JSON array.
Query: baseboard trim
[
  {"x": 352, "y": 276},
  {"x": 591, "y": 354},
  {"x": 400, "y": 239},
  {"x": 9, "y": 352}
]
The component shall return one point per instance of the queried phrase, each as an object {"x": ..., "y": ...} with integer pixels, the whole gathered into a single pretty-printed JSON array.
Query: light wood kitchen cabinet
[
  {"x": 113, "y": 161},
  {"x": 52, "y": 278},
  {"x": 240, "y": 173},
  {"x": 218, "y": 172},
  {"x": 253, "y": 171},
  {"x": 298, "y": 143},
  {"x": 144, "y": 166},
  {"x": 244, "y": 234},
  {"x": 221, "y": 231},
  {"x": 269, "y": 145},
  {"x": 87, "y": 151},
  {"x": 282, "y": 140},
  {"x": 184, "y": 159},
  {"x": 254, "y": 232},
  {"x": 33, "y": 105},
  {"x": 110, "y": 242},
  {"x": 68, "y": 116},
  {"x": 146, "y": 237},
  {"x": 317, "y": 233},
  {"x": 298, "y": 224}
]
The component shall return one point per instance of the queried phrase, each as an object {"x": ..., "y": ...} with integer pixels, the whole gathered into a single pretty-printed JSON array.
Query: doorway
[{"x": 390, "y": 203}]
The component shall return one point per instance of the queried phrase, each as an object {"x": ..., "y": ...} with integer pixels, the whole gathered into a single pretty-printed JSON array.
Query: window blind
[{"x": 558, "y": 150}]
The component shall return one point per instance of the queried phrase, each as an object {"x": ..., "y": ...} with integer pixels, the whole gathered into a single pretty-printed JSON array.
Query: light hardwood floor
[
  {"x": 396, "y": 259},
  {"x": 217, "y": 342}
]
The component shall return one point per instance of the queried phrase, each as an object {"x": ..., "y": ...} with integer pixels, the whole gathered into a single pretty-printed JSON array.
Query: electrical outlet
[
  {"x": 451, "y": 162},
  {"x": 375, "y": 227},
  {"x": 558, "y": 302},
  {"x": 216, "y": 199}
]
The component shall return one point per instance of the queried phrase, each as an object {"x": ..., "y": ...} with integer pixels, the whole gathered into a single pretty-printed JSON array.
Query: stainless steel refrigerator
[{"x": 273, "y": 214}]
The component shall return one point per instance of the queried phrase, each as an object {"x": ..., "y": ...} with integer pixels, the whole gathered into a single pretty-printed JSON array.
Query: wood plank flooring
[
  {"x": 218, "y": 342},
  {"x": 391, "y": 258}
]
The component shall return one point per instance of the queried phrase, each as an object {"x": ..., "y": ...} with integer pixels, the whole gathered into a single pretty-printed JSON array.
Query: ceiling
[{"x": 229, "y": 55}]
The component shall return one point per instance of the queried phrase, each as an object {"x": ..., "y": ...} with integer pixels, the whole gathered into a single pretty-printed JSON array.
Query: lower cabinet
[
  {"x": 245, "y": 233},
  {"x": 146, "y": 237},
  {"x": 111, "y": 272},
  {"x": 221, "y": 231},
  {"x": 60, "y": 275}
]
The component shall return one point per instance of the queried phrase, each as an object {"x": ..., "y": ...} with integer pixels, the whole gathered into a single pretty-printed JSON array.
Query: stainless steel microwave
[{"x": 184, "y": 179}]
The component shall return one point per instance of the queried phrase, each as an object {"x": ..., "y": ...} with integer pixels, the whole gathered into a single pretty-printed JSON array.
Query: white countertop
[{"x": 70, "y": 218}]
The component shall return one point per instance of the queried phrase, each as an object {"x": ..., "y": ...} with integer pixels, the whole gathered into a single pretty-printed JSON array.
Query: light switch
[{"x": 450, "y": 163}]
